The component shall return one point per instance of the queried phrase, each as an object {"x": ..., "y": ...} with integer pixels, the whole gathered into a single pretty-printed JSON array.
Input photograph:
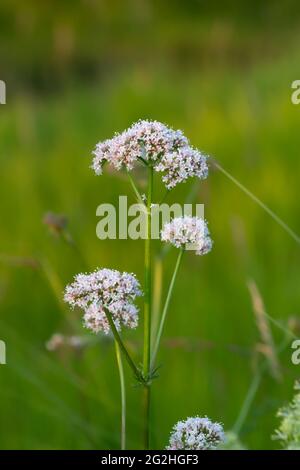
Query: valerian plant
[{"x": 107, "y": 296}]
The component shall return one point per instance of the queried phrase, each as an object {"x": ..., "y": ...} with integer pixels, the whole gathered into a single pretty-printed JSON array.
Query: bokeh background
[{"x": 76, "y": 72}]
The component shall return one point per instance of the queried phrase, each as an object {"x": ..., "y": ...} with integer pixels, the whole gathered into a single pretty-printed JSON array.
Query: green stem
[
  {"x": 147, "y": 307},
  {"x": 157, "y": 291},
  {"x": 123, "y": 396},
  {"x": 254, "y": 386},
  {"x": 141, "y": 159},
  {"x": 118, "y": 339},
  {"x": 248, "y": 402},
  {"x": 165, "y": 196},
  {"x": 272, "y": 214},
  {"x": 135, "y": 189},
  {"x": 165, "y": 310},
  {"x": 146, "y": 404}
]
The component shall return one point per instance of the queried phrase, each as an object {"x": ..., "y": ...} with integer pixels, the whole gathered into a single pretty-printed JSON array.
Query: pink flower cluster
[
  {"x": 152, "y": 142},
  {"x": 105, "y": 289}
]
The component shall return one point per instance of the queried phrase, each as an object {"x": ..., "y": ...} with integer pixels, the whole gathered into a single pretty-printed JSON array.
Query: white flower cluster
[
  {"x": 187, "y": 230},
  {"x": 105, "y": 289},
  {"x": 178, "y": 166},
  {"x": 167, "y": 150},
  {"x": 196, "y": 434}
]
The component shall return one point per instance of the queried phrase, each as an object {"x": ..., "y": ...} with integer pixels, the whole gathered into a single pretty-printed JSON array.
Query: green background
[{"x": 76, "y": 72}]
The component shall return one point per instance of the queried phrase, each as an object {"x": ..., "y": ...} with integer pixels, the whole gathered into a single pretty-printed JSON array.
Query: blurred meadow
[{"x": 78, "y": 71}]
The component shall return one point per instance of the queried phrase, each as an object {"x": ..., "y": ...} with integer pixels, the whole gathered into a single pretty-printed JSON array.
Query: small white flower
[
  {"x": 196, "y": 434},
  {"x": 168, "y": 151},
  {"x": 105, "y": 289},
  {"x": 187, "y": 230}
]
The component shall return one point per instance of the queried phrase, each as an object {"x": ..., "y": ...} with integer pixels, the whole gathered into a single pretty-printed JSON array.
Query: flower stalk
[
  {"x": 148, "y": 279},
  {"x": 166, "y": 307},
  {"x": 120, "y": 343},
  {"x": 147, "y": 311},
  {"x": 135, "y": 189},
  {"x": 123, "y": 396}
]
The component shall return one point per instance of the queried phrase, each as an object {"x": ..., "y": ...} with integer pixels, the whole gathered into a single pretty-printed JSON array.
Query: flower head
[
  {"x": 187, "y": 230},
  {"x": 182, "y": 164},
  {"x": 105, "y": 289},
  {"x": 152, "y": 142},
  {"x": 196, "y": 434}
]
